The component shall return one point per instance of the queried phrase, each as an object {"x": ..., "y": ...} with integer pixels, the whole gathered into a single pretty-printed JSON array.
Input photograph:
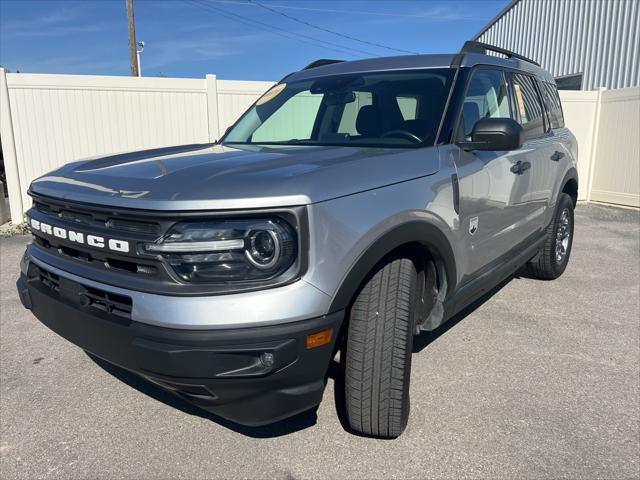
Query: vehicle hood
[{"x": 211, "y": 177}]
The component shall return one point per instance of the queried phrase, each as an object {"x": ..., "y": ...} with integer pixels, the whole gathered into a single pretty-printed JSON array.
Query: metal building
[{"x": 585, "y": 44}]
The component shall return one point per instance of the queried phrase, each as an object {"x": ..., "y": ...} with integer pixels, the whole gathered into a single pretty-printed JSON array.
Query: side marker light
[{"x": 318, "y": 339}]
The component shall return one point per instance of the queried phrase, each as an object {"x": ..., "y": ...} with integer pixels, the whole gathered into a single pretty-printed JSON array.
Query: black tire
[
  {"x": 547, "y": 265},
  {"x": 378, "y": 353}
]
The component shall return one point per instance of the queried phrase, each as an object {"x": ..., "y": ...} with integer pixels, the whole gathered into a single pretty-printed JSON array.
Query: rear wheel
[
  {"x": 553, "y": 259},
  {"x": 378, "y": 353}
]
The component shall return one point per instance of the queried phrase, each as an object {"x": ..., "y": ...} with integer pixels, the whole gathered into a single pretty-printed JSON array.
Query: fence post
[
  {"x": 594, "y": 144},
  {"x": 212, "y": 108},
  {"x": 9, "y": 152}
]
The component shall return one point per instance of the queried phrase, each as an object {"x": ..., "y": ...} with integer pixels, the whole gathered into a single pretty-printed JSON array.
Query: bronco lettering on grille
[{"x": 79, "y": 237}]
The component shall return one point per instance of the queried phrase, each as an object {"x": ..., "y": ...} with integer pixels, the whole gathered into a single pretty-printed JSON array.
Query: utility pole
[{"x": 133, "y": 55}]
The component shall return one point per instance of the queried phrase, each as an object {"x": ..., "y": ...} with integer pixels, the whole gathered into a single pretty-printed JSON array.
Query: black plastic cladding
[{"x": 165, "y": 281}]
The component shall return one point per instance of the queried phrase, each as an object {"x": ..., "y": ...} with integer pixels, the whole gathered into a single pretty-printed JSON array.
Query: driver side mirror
[{"x": 495, "y": 134}]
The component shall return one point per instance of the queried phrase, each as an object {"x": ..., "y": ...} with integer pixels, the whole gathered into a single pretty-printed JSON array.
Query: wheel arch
[
  {"x": 411, "y": 239},
  {"x": 569, "y": 185}
]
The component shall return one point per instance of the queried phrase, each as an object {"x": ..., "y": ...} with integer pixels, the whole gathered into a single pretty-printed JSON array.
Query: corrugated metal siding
[{"x": 599, "y": 38}]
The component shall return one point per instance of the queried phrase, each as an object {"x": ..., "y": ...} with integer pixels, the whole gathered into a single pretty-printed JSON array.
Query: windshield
[{"x": 380, "y": 109}]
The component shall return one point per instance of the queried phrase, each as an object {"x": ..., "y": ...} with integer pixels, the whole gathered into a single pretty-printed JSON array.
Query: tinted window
[
  {"x": 528, "y": 105},
  {"x": 552, "y": 103},
  {"x": 376, "y": 109},
  {"x": 487, "y": 97}
]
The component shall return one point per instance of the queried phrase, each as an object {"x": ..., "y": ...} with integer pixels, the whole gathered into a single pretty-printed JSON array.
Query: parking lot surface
[{"x": 540, "y": 380}]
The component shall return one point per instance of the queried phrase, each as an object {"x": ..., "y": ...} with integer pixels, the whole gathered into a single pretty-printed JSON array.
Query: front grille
[
  {"x": 108, "y": 223},
  {"x": 118, "y": 224},
  {"x": 95, "y": 219},
  {"x": 81, "y": 295},
  {"x": 72, "y": 229},
  {"x": 97, "y": 259}
]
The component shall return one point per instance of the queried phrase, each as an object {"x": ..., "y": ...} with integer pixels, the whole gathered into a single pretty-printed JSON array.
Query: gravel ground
[{"x": 541, "y": 380}]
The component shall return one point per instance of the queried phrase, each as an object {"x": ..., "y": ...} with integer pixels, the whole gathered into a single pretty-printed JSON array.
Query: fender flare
[
  {"x": 420, "y": 232},
  {"x": 572, "y": 174}
]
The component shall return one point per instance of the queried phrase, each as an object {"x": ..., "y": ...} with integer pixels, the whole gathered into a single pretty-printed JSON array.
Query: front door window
[{"x": 487, "y": 97}]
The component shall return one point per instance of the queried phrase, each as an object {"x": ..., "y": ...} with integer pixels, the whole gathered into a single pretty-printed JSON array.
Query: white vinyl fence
[
  {"x": 48, "y": 120},
  {"x": 607, "y": 126},
  {"x": 616, "y": 169}
]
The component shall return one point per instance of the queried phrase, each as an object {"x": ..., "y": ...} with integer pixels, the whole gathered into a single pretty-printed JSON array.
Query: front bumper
[{"x": 252, "y": 375}]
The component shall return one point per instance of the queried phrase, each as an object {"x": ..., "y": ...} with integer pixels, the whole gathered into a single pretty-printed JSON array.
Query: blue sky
[{"x": 233, "y": 39}]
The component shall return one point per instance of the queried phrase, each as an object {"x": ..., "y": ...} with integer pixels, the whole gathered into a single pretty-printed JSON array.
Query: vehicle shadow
[
  {"x": 284, "y": 427},
  {"x": 425, "y": 339}
]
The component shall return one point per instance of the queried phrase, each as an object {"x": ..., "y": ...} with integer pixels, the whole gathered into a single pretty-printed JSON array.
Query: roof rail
[
  {"x": 321, "y": 62},
  {"x": 479, "y": 47}
]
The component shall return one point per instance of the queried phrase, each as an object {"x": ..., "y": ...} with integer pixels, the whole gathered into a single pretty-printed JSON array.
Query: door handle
[
  {"x": 520, "y": 167},
  {"x": 557, "y": 156}
]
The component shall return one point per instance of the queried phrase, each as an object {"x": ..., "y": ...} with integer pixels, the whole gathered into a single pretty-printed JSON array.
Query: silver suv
[{"x": 353, "y": 206}]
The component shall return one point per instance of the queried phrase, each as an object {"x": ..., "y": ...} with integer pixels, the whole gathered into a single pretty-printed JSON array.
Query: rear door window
[
  {"x": 528, "y": 106},
  {"x": 552, "y": 103}
]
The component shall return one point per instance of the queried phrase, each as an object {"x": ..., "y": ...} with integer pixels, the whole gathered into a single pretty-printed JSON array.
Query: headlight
[{"x": 228, "y": 251}]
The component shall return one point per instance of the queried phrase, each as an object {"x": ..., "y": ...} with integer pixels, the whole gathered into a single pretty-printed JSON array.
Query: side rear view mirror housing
[{"x": 495, "y": 134}]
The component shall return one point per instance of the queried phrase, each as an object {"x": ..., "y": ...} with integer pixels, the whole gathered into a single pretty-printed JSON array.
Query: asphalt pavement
[{"x": 540, "y": 380}]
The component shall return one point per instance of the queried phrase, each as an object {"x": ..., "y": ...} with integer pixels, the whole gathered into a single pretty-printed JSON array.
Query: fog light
[{"x": 267, "y": 359}]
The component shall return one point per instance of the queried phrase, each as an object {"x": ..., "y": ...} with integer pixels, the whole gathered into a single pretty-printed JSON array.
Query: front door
[{"x": 495, "y": 202}]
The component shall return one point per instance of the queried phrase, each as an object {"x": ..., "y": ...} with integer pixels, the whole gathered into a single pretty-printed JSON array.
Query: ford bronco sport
[{"x": 353, "y": 206}]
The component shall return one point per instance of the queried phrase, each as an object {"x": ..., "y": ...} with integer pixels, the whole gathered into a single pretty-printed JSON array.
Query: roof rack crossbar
[
  {"x": 321, "y": 62},
  {"x": 472, "y": 46}
]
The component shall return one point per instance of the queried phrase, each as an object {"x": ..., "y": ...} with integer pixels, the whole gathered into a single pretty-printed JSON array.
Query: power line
[
  {"x": 348, "y": 37},
  {"x": 280, "y": 31},
  {"x": 331, "y": 10}
]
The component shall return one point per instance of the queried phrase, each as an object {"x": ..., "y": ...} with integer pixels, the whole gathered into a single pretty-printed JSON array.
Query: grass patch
[{"x": 9, "y": 230}]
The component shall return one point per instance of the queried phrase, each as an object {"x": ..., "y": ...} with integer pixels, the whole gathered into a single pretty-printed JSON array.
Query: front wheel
[
  {"x": 378, "y": 353},
  {"x": 553, "y": 259}
]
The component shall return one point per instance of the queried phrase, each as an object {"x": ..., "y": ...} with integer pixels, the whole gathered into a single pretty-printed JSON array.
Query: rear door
[
  {"x": 539, "y": 147},
  {"x": 560, "y": 139}
]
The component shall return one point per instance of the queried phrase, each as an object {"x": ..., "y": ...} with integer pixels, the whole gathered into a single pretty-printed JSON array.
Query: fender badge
[{"x": 473, "y": 225}]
